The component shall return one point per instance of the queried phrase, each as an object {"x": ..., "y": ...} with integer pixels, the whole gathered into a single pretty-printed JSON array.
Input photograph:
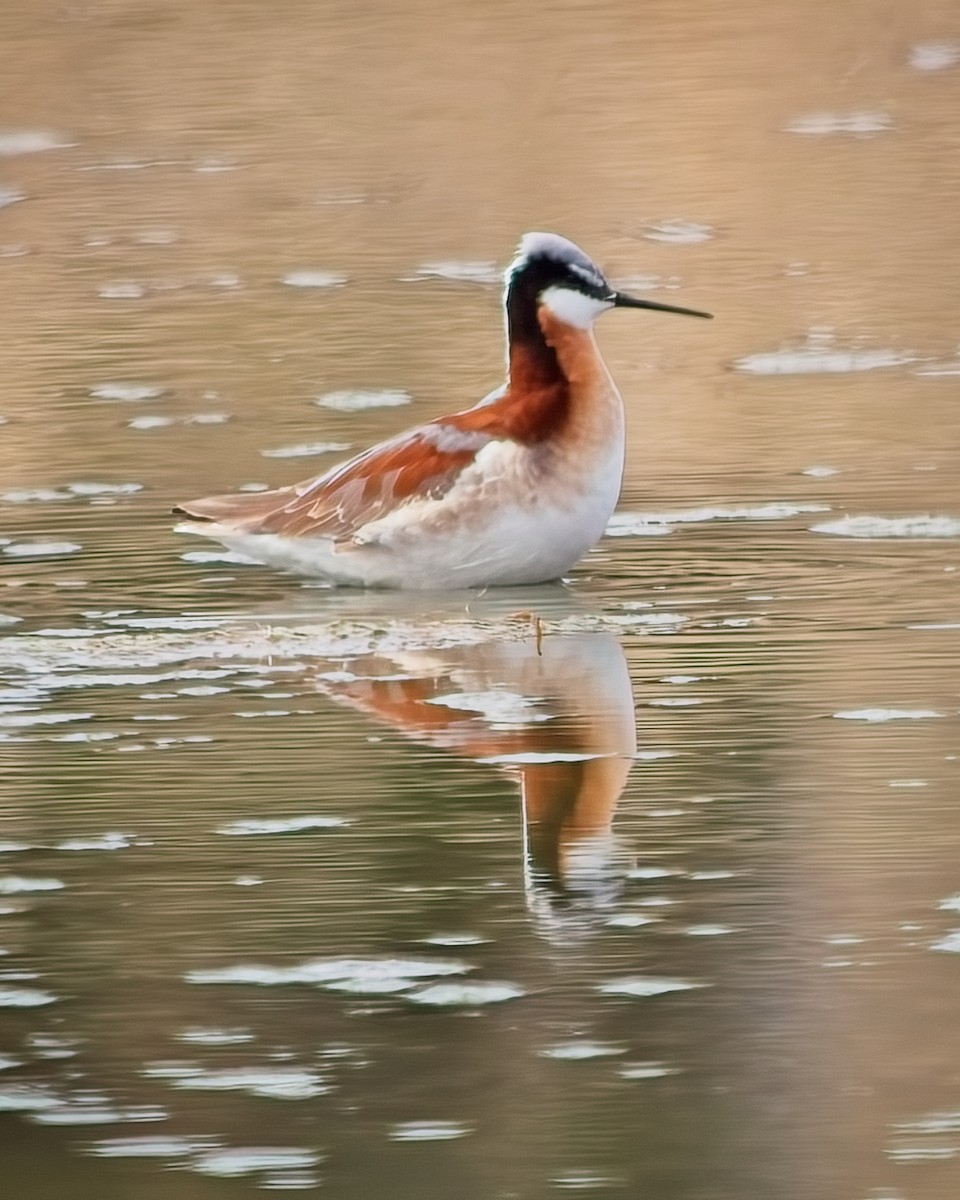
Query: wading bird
[{"x": 514, "y": 490}]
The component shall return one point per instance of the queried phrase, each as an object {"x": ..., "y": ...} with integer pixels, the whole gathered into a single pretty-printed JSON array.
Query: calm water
[{"x": 370, "y": 895}]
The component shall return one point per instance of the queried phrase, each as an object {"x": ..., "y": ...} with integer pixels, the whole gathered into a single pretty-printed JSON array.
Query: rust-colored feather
[{"x": 421, "y": 464}]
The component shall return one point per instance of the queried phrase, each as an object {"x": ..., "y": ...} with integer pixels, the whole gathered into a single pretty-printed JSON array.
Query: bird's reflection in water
[{"x": 560, "y": 719}]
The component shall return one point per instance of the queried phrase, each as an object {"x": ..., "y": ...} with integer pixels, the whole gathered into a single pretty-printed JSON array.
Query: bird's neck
[{"x": 547, "y": 354}]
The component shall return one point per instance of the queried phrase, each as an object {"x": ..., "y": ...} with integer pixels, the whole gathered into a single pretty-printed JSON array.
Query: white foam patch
[
  {"x": 252, "y": 1160},
  {"x": 579, "y": 1051},
  {"x": 821, "y": 355},
  {"x": 234, "y": 557},
  {"x": 146, "y": 1146},
  {"x": 498, "y": 706},
  {"x": 428, "y": 1131},
  {"x": 274, "y": 1083},
  {"x": 200, "y": 1036},
  {"x": 647, "y": 1070},
  {"x": 877, "y": 715},
  {"x": 127, "y": 393},
  {"x": 37, "y": 495},
  {"x": 107, "y": 841},
  {"x": 635, "y": 525},
  {"x": 356, "y": 400},
  {"x": 25, "y": 720},
  {"x": 314, "y": 279},
  {"x": 925, "y": 526},
  {"x": 85, "y": 488},
  {"x": 9, "y": 195},
  {"x": 14, "y": 142},
  {"x": 41, "y": 549},
  {"x": 859, "y": 123},
  {"x": 626, "y": 524},
  {"x": 207, "y": 418},
  {"x": 933, "y": 1123},
  {"x": 329, "y": 970},
  {"x": 651, "y": 873},
  {"x": 24, "y": 997},
  {"x": 909, "y": 1154},
  {"x": 372, "y": 987},
  {"x": 458, "y": 271},
  {"x": 679, "y": 233},
  {"x": 14, "y": 885},
  {"x": 26, "y": 1097},
  {"x": 306, "y": 449},
  {"x": 151, "y": 422},
  {"x": 126, "y": 290},
  {"x": 631, "y": 921},
  {"x": 454, "y": 995},
  {"x": 269, "y": 825},
  {"x": 934, "y": 56},
  {"x": 647, "y": 985},
  {"x": 949, "y": 944}
]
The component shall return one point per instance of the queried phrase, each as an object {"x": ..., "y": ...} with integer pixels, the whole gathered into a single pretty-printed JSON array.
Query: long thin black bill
[{"x": 622, "y": 300}]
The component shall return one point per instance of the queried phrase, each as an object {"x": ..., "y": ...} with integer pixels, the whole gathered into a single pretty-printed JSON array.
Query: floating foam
[
  {"x": 314, "y": 279},
  {"x": 13, "y": 885},
  {"x": 107, "y": 841},
  {"x": 648, "y": 1070},
  {"x": 30, "y": 141},
  {"x": 887, "y": 714},
  {"x": 329, "y": 970},
  {"x": 459, "y": 272},
  {"x": 41, "y": 549},
  {"x": 355, "y": 400},
  {"x": 428, "y": 1131},
  {"x": 499, "y": 706},
  {"x": 251, "y": 1160},
  {"x": 820, "y": 355},
  {"x": 858, "y": 123},
  {"x": 122, "y": 291},
  {"x": 646, "y": 985},
  {"x": 145, "y": 1146},
  {"x": 581, "y": 1050},
  {"x": 306, "y": 449},
  {"x": 9, "y": 195},
  {"x": 625, "y": 524},
  {"x": 678, "y": 233},
  {"x": 452, "y": 995},
  {"x": 274, "y": 1083},
  {"x": 150, "y": 422},
  {"x": 127, "y": 393},
  {"x": 934, "y": 56},
  {"x": 24, "y": 997},
  {"x": 267, "y": 825},
  {"x": 925, "y": 526}
]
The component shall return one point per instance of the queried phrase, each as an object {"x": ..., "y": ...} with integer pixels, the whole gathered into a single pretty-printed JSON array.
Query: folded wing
[{"x": 421, "y": 464}]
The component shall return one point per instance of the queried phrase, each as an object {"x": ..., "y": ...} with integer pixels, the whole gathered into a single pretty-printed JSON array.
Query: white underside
[{"x": 508, "y": 520}]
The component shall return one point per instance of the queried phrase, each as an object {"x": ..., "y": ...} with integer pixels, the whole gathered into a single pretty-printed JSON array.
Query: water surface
[{"x": 375, "y": 895}]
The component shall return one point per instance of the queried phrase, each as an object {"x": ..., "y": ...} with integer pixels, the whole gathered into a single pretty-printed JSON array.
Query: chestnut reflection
[{"x": 558, "y": 718}]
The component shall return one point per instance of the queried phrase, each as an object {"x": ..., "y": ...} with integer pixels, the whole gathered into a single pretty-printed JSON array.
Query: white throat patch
[{"x": 573, "y": 307}]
